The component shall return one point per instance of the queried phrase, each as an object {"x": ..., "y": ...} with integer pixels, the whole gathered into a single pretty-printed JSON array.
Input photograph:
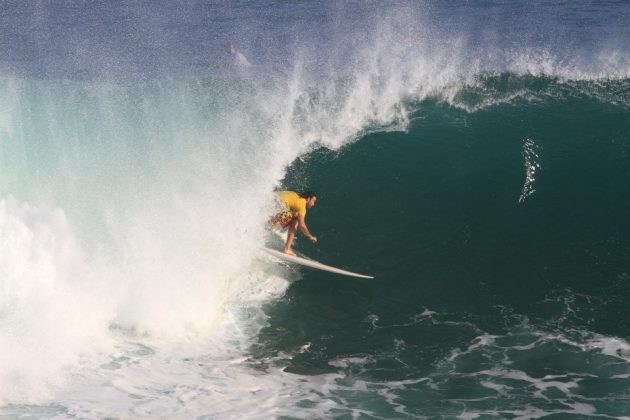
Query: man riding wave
[{"x": 293, "y": 215}]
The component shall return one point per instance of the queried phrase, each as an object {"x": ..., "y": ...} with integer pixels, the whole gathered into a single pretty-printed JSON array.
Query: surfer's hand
[{"x": 313, "y": 239}]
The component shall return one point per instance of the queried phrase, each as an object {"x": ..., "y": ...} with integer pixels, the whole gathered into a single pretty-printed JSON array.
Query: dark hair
[{"x": 308, "y": 194}]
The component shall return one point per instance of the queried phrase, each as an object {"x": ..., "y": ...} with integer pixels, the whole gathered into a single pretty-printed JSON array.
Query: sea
[{"x": 473, "y": 156}]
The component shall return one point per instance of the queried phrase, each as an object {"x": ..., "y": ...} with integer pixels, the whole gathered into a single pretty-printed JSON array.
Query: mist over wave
[{"x": 134, "y": 189}]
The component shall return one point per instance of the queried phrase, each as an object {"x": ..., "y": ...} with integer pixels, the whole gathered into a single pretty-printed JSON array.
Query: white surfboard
[{"x": 313, "y": 264}]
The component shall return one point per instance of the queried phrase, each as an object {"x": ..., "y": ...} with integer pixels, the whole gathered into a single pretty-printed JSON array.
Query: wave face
[
  {"x": 472, "y": 157},
  {"x": 499, "y": 242}
]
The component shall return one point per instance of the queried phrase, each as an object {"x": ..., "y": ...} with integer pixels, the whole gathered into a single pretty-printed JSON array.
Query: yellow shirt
[{"x": 293, "y": 202}]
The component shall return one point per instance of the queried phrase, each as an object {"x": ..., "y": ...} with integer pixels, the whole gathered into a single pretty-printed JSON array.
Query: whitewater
[{"x": 137, "y": 165}]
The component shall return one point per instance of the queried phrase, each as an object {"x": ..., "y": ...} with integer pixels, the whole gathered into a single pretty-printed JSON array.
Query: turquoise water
[{"x": 473, "y": 157}]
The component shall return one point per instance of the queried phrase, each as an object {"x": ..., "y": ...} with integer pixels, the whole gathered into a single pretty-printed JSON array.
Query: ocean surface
[{"x": 473, "y": 156}]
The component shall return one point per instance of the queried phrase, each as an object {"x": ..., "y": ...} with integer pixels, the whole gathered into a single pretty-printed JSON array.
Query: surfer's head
[{"x": 310, "y": 198}]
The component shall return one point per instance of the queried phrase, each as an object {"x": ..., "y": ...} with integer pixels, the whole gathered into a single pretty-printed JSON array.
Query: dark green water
[{"x": 488, "y": 295}]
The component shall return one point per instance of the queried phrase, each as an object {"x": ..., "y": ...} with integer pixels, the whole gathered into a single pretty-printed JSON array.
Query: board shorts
[{"x": 284, "y": 218}]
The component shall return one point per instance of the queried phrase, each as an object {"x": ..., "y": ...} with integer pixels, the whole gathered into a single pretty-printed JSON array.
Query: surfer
[
  {"x": 293, "y": 215},
  {"x": 238, "y": 58}
]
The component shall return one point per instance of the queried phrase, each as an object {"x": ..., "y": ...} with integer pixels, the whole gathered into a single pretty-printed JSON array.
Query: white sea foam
[{"x": 50, "y": 302}]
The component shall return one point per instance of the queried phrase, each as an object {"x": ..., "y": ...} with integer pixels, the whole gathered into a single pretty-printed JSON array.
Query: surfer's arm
[{"x": 304, "y": 229}]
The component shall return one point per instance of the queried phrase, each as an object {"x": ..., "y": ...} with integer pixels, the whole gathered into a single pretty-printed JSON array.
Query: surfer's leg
[{"x": 290, "y": 237}]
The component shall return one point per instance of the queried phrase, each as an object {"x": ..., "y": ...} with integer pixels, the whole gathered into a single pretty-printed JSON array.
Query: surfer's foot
[{"x": 289, "y": 252}]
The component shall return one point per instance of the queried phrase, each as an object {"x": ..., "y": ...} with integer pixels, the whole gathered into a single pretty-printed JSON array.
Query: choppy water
[{"x": 473, "y": 157}]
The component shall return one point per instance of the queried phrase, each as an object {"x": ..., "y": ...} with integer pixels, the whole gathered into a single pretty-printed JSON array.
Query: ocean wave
[{"x": 134, "y": 210}]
